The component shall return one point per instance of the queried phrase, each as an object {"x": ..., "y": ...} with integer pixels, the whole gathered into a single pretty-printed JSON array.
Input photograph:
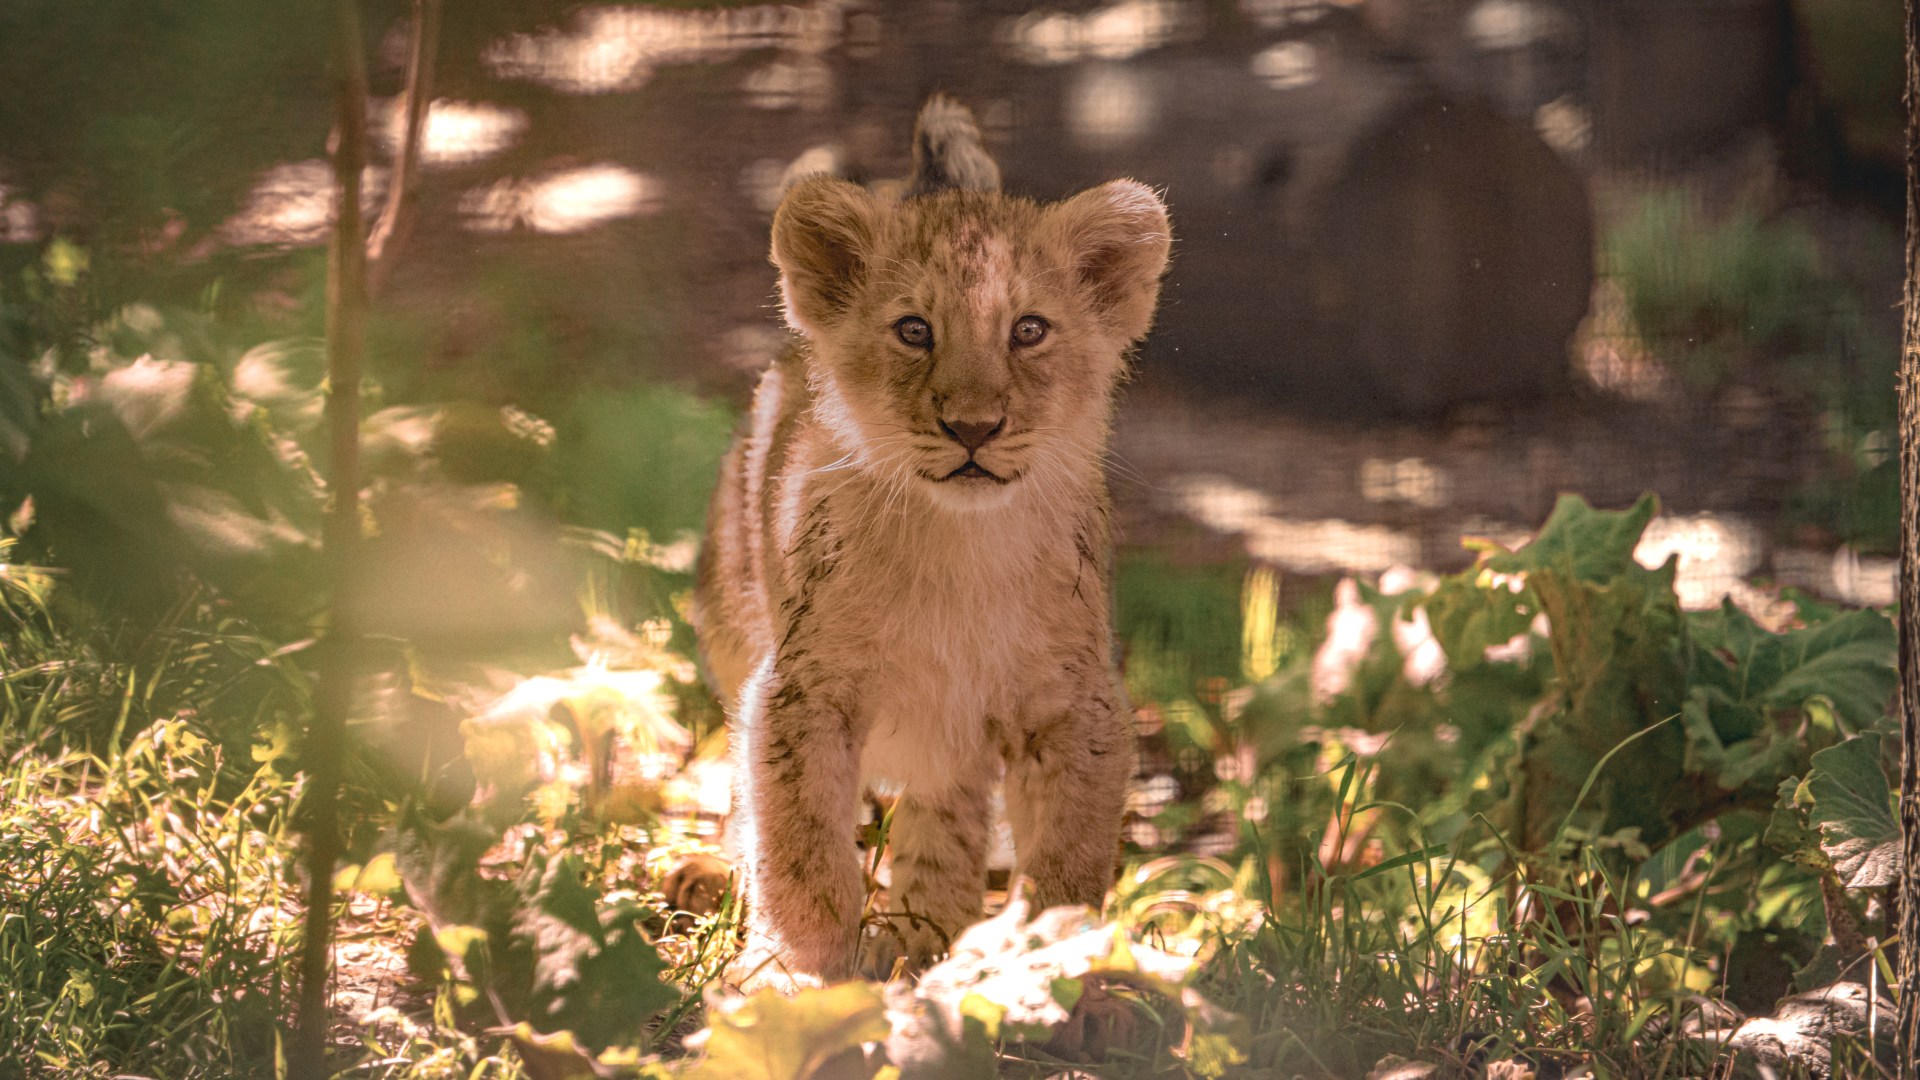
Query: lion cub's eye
[
  {"x": 914, "y": 331},
  {"x": 1030, "y": 330}
]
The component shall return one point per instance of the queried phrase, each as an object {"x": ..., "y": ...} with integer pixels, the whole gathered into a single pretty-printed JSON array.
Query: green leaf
[
  {"x": 1847, "y": 660},
  {"x": 814, "y": 1035},
  {"x": 594, "y": 972},
  {"x": 1852, "y": 809},
  {"x": 1787, "y": 830},
  {"x": 1586, "y": 544},
  {"x": 1469, "y": 616}
]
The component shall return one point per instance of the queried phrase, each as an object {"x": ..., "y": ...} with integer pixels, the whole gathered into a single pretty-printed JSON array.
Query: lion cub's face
[{"x": 967, "y": 343}]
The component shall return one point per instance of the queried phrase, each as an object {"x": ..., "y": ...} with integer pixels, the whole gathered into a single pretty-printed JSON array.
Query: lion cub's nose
[{"x": 970, "y": 434}]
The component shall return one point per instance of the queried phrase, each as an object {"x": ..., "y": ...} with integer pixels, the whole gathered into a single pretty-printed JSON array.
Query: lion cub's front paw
[
  {"x": 760, "y": 967},
  {"x": 902, "y": 948}
]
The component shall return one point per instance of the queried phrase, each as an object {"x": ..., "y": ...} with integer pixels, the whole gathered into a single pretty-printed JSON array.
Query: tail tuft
[{"x": 948, "y": 152}]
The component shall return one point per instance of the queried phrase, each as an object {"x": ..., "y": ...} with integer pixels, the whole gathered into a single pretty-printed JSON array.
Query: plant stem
[
  {"x": 390, "y": 232},
  {"x": 333, "y": 696}
]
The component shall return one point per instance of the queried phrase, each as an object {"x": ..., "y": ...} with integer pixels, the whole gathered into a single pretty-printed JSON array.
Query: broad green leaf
[
  {"x": 1583, "y": 543},
  {"x": 1849, "y": 660},
  {"x": 594, "y": 972},
  {"x": 814, "y": 1035},
  {"x": 1846, "y": 660},
  {"x": 1852, "y": 809},
  {"x": 546, "y": 948}
]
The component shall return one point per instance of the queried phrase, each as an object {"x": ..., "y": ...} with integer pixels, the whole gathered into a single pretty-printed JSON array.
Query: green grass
[
  {"x": 1710, "y": 293},
  {"x": 142, "y": 885}
]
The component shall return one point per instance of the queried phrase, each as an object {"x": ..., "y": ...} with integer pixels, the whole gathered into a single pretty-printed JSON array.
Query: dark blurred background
[{"x": 1438, "y": 260}]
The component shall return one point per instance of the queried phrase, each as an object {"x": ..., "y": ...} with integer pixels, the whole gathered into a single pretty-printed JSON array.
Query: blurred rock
[
  {"x": 1805, "y": 1031},
  {"x": 1395, "y": 1067}
]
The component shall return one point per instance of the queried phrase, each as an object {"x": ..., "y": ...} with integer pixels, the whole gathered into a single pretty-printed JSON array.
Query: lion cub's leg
[
  {"x": 801, "y": 755},
  {"x": 938, "y": 842},
  {"x": 1067, "y": 774}
]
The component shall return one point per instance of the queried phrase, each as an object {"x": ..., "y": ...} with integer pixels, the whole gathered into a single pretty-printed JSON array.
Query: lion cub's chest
[{"x": 942, "y": 641}]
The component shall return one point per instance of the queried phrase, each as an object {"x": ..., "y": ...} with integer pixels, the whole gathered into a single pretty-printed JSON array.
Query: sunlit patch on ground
[
  {"x": 1612, "y": 357},
  {"x": 564, "y": 202},
  {"x": 292, "y": 205},
  {"x": 457, "y": 132},
  {"x": 805, "y": 83},
  {"x": 607, "y": 49},
  {"x": 19, "y": 219},
  {"x": 1117, "y": 31},
  {"x": 1326, "y": 545},
  {"x": 1565, "y": 125},
  {"x": 1515, "y": 24},
  {"x": 1717, "y": 553},
  {"x": 1843, "y": 574},
  {"x": 1287, "y": 14},
  {"x": 1110, "y": 105},
  {"x": 1409, "y": 480},
  {"x": 1288, "y": 65}
]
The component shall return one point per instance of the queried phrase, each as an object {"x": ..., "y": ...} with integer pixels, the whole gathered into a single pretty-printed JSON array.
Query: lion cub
[{"x": 905, "y": 575}]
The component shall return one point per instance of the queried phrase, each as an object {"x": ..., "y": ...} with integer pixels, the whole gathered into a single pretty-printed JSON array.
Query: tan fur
[{"x": 869, "y": 619}]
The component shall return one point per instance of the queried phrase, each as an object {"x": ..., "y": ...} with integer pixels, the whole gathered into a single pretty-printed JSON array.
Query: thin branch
[
  {"x": 390, "y": 233},
  {"x": 333, "y": 695}
]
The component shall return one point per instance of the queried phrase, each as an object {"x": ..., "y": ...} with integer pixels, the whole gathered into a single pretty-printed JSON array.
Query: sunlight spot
[
  {"x": 766, "y": 180},
  {"x": 1153, "y": 795},
  {"x": 149, "y": 394},
  {"x": 19, "y": 219},
  {"x": 458, "y": 132},
  {"x": 1285, "y": 14},
  {"x": 1564, "y": 125},
  {"x": 292, "y": 205},
  {"x": 1408, "y": 480},
  {"x": 1330, "y": 544},
  {"x": 1289, "y": 65},
  {"x": 1117, "y": 31},
  {"x": 1146, "y": 834},
  {"x": 789, "y": 84},
  {"x": 1845, "y": 575},
  {"x": 565, "y": 202},
  {"x": 1109, "y": 106},
  {"x": 1513, "y": 24},
  {"x": 1716, "y": 553},
  {"x": 619, "y": 48},
  {"x": 1611, "y": 355},
  {"x": 1311, "y": 546},
  {"x": 1864, "y": 580}
]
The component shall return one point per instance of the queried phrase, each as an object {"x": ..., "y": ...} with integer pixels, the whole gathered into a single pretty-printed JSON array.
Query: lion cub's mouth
[{"x": 973, "y": 470}]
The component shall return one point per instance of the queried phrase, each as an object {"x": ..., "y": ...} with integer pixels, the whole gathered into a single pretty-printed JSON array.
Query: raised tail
[{"x": 948, "y": 152}]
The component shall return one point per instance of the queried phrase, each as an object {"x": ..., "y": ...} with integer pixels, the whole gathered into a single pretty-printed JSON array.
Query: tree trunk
[{"x": 1909, "y": 706}]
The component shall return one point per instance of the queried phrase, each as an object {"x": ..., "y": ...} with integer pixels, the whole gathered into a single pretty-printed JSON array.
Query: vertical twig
[
  {"x": 333, "y": 696},
  {"x": 390, "y": 232},
  {"x": 1908, "y": 710}
]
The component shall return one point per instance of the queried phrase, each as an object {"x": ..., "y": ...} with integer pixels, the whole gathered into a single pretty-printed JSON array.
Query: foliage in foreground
[
  {"x": 1560, "y": 899},
  {"x": 1531, "y": 809}
]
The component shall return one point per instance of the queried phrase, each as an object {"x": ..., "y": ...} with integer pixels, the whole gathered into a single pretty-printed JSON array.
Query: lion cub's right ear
[{"x": 823, "y": 234}]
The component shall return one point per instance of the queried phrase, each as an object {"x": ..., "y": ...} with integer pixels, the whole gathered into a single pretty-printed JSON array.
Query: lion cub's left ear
[{"x": 1117, "y": 239}]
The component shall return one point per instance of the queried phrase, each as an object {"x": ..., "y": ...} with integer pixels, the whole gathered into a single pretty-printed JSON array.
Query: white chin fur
[{"x": 971, "y": 495}]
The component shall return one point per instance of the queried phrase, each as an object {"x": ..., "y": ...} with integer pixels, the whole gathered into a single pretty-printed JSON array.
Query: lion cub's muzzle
[{"x": 972, "y": 435}]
